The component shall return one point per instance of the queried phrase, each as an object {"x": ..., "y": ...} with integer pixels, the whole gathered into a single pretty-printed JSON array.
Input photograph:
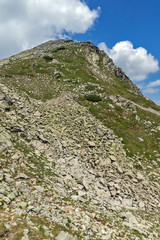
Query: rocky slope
[{"x": 79, "y": 148}]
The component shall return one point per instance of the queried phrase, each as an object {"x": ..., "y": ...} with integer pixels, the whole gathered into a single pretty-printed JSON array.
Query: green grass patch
[{"x": 90, "y": 88}]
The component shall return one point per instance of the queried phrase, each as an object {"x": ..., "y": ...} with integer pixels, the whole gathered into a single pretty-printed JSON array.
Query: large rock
[
  {"x": 129, "y": 217},
  {"x": 127, "y": 202},
  {"x": 22, "y": 176},
  {"x": 65, "y": 236},
  {"x": 2, "y": 95}
]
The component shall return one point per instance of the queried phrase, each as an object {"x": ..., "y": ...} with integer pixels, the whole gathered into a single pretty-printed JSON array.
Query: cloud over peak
[
  {"x": 27, "y": 23},
  {"x": 135, "y": 62}
]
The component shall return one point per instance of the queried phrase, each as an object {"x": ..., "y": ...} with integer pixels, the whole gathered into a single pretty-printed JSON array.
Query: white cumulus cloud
[
  {"x": 154, "y": 84},
  {"x": 151, "y": 90},
  {"x": 136, "y": 63},
  {"x": 25, "y": 23}
]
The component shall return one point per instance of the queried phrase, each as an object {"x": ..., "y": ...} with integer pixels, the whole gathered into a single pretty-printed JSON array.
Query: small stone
[
  {"x": 85, "y": 183},
  {"x": 65, "y": 236},
  {"x": 2, "y": 96},
  {"x": 137, "y": 118},
  {"x": 140, "y": 139},
  {"x": 6, "y": 200},
  {"x": 37, "y": 114},
  {"x": 91, "y": 144},
  {"x": 132, "y": 220},
  {"x": 129, "y": 174},
  {"x": 3, "y": 191},
  {"x": 100, "y": 174},
  {"x": 113, "y": 193},
  {"x": 2, "y": 230},
  {"x": 22, "y": 176},
  {"x": 140, "y": 177},
  {"x": 141, "y": 204},
  {"x": 119, "y": 170},
  {"x": 76, "y": 198},
  {"x": 29, "y": 209},
  {"x": 107, "y": 161},
  {"x": 100, "y": 133},
  {"x": 81, "y": 193},
  {"x": 112, "y": 158},
  {"x": 40, "y": 189},
  {"x": 111, "y": 184},
  {"x": 1, "y": 176},
  {"x": 127, "y": 202},
  {"x": 129, "y": 217},
  {"x": 7, "y": 226},
  {"x": 11, "y": 196},
  {"x": 25, "y": 237},
  {"x": 57, "y": 74},
  {"x": 55, "y": 61},
  {"x": 23, "y": 205}
]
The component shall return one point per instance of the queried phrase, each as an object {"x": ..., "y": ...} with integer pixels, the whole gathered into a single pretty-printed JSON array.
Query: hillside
[{"x": 79, "y": 148}]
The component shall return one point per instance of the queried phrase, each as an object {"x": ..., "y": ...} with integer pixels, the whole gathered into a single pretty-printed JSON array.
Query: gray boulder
[{"x": 65, "y": 236}]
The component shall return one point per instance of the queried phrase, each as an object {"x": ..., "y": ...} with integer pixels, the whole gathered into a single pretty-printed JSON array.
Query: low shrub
[
  {"x": 93, "y": 98},
  {"x": 47, "y": 58},
  {"x": 58, "y": 49},
  {"x": 68, "y": 41}
]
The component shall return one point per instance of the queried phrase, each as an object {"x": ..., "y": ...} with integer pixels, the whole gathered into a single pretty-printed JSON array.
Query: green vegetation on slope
[{"x": 67, "y": 68}]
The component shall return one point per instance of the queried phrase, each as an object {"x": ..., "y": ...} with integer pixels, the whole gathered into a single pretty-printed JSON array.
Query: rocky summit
[{"x": 79, "y": 148}]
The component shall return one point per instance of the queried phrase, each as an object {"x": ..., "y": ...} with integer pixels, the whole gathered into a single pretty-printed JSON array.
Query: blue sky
[{"x": 128, "y": 30}]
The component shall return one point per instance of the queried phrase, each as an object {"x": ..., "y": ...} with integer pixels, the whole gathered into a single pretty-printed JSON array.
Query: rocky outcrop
[{"x": 93, "y": 53}]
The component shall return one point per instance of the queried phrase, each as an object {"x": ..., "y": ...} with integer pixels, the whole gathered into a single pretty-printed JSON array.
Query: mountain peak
[{"x": 92, "y": 51}]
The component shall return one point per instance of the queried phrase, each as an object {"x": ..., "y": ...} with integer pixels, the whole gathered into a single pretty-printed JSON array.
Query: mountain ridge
[{"x": 51, "y": 44}]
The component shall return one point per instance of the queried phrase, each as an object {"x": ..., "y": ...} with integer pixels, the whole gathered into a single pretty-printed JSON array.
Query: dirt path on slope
[{"x": 147, "y": 109}]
